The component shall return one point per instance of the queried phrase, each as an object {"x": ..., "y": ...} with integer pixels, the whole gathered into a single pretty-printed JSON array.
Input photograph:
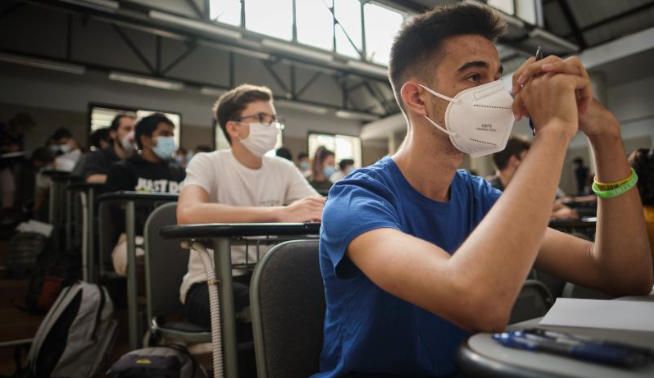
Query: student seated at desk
[
  {"x": 642, "y": 161},
  {"x": 415, "y": 254},
  {"x": 98, "y": 162},
  {"x": 241, "y": 185},
  {"x": 152, "y": 170},
  {"x": 507, "y": 162}
]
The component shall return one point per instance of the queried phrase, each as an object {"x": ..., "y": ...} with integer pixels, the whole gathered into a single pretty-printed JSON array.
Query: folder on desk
[{"x": 618, "y": 314}]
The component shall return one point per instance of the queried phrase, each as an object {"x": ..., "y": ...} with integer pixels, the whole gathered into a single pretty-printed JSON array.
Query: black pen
[{"x": 539, "y": 56}]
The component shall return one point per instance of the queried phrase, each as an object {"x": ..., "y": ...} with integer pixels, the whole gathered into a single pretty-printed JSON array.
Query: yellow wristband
[{"x": 613, "y": 184}]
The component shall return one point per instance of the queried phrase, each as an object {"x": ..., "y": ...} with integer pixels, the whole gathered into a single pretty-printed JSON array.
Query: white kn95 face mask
[{"x": 478, "y": 120}]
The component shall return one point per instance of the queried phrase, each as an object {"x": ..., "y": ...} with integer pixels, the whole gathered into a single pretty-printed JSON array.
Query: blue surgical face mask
[
  {"x": 165, "y": 147},
  {"x": 304, "y": 166},
  {"x": 328, "y": 171}
]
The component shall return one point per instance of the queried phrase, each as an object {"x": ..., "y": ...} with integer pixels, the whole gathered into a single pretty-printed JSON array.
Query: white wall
[{"x": 60, "y": 91}]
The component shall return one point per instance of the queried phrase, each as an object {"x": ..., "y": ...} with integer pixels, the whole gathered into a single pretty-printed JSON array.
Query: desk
[
  {"x": 585, "y": 226},
  {"x": 221, "y": 236},
  {"x": 480, "y": 355},
  {"x": 129, "y": 199}
]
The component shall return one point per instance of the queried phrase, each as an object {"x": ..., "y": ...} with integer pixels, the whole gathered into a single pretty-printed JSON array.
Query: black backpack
[{"x": 172, "y": 361}]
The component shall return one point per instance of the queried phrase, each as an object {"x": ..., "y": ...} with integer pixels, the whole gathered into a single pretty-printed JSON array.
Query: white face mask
[
  {"x": 478, "y": 120},
  {"x": 128, "y": 143},
  {"x": 262, "y": 138}
]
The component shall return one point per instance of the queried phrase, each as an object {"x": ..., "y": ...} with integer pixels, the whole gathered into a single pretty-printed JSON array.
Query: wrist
[
  {"x": 557, "y": 129},
  {"x": 277, "y": 213}
]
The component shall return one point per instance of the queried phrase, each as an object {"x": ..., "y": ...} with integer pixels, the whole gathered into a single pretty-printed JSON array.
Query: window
[
  {"x": 315, "y": 23},
  {"x": 270, "y": 17},
  {"x": 348, "y": 14},
  {"x": 381, "y": 26},
  {"x": 526, "y": 10},
  {"x": 226, "y": 11},
  {"x": 505, "y": 6},
  {"x": 344, "y": 146},
  {"x": 101, "y": 116}
]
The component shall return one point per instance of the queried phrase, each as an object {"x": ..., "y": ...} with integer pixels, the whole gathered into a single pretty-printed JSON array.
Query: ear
[
  {"x": 514, "y": 161},
  {"x": 232, "y": 131},
  {"x": 413, "y": 98}
]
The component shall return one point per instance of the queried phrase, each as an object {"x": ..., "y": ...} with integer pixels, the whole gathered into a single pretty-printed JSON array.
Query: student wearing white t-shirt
[{"x": 241, "y": 185}]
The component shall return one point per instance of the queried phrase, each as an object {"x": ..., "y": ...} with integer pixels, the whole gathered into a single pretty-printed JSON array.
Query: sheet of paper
[
  {"x": 44, "y": 229},
  {"x": 607, "y": 314}
]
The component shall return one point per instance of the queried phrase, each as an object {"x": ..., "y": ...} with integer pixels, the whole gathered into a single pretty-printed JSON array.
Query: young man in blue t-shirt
[{"x": 415, "y": 254}]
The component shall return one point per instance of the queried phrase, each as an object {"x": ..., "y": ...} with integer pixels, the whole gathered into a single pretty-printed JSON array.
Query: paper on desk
[{"x": 607, "y": 314}]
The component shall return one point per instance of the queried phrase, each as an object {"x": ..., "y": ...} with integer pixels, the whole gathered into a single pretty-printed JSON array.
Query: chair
[
  {"x": 576, "y": 291},
  {"x": 533, "y": 301},
  {"x": 165, "y": 265},
  {"x": 288, "y": 307}
]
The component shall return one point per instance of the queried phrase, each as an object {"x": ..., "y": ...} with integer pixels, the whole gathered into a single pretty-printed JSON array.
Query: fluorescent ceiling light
[
  {"x": 109, "y": 5},
  {"x": 297, "y": 50},
  {"x": 43, "y": 63},
  {"x": 347, "y": 114},
  {"x": 368, "y": 68},
  {"x": 302, "y": 107},
  {"x": 146, "y": 80},
  {"x": 211, "y": 91},
  {"x": 195, "y": 25},
  {"x": 555, "y": 40}
]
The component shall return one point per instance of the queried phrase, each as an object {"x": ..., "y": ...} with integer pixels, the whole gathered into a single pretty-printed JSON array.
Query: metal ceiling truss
[{"x": 122, "y": 21}]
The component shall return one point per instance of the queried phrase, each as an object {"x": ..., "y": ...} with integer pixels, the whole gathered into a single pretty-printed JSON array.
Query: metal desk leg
[
  {"x": 132, "y": 293},
  {"x": 85, "y": 237},
  {"x": 90, "y": 237},
  {"x": 223, "y": 262}
]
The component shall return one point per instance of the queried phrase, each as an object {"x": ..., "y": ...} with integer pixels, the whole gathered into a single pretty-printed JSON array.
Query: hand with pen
[{"x": 594, "y": 119}]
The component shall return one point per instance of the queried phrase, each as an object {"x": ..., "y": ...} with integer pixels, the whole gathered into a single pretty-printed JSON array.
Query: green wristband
[{"x": 618, "y": 190}]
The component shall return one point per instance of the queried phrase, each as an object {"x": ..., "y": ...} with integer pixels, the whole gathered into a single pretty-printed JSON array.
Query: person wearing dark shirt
[
  {"x": 323, "y": 166},
  {"x": 581, "y": 175},
  {"x": 153, "y": 170},
  {"x": 97, "y": 163},
  {"x": 507, "y": 163}
]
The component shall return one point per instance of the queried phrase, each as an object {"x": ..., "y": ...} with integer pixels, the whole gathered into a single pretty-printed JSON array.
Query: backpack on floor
[
  {"x": 75, "y": 337},
  {"x": 172, "y": 361}
]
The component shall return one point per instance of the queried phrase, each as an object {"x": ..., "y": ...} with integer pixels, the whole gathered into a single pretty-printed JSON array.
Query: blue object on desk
[{"x": 609, "y": 353}]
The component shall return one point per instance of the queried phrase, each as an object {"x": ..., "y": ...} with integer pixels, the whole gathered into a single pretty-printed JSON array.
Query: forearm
[
  {"x": 220, "y": 213},
  {"x": 621, "y": 249},
  {"x": 502, "y": 249},
  {"x": 96, "y": 179}
]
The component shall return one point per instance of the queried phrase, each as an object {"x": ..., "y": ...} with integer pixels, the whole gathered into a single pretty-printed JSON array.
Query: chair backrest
[
  {"x": 533, "y": 301},
  {"x": 288, "y": 308},
  {"x": 166, "y": 263}
]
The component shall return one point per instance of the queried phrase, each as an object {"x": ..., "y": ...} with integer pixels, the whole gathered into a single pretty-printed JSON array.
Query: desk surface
[
  {"x": 489, "y": 356},
  {"x": 137, "y": 196},
  {"x": 239, "y": 229}
]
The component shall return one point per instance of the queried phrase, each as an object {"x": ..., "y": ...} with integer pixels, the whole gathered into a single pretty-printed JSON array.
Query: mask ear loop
[{"x": 433, "y": 123}]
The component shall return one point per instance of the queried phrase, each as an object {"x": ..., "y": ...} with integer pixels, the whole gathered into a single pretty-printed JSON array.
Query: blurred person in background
[
  {"x": 345, "y": 167},
  {"x": 65, "y": 148},
  {"x": 642, "y": 161},
  {"x": 285, "y": 153},
  {"x": 304, "y": 164},
  {"x": 323, "y": 167},
  {"x": 122, "y": 146}
]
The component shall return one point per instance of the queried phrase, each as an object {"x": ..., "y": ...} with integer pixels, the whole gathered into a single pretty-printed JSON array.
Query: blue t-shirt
[{"x": 368, "y": 330}]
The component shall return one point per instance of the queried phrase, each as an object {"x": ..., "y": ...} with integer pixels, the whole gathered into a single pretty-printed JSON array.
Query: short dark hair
[
  {"x": 203, "y": 148},
  {"x": 344, "y": 163},
  {"x": 302, "y": 155},
  {"x": 642, "y": 161},
  {"x": 115, "y": 123},
  {"x": 514, "y": 147},
  {"x": 147, "y": 125},
  {"x": 285, "y": 153},
  {"x": 420, "y": 40},
  {"x": 230, "y": 105},
  {"x": 100, "y": 135},
  {"x": 61, "y": 133}
]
